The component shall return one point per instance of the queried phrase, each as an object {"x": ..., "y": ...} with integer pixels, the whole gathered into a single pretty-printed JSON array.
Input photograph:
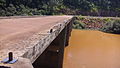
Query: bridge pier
[{"x": 68, "y": 32}]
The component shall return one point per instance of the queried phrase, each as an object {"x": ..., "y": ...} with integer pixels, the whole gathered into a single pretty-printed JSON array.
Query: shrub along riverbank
[{"x": 105, "y": 24}]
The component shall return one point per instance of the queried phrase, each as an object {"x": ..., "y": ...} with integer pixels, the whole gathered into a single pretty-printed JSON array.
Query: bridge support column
[
  {"x": 69, "y": 29},
  {"x": 53, "y": 55}
]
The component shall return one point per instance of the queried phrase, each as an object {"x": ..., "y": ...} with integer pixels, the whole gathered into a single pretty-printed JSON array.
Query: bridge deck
[{"x": 17, "y": 34}]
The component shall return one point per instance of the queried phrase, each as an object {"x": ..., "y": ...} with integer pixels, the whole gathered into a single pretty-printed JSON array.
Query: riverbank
[
  {"x": 105, "y": 24},
  {"x": 92, "y": 49}
]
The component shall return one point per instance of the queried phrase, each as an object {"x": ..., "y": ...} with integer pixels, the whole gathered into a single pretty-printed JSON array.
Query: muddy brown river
[{"x": 92, "y": 49}]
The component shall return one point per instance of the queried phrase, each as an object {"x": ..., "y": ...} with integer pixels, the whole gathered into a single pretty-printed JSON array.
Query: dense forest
[{"x": 60, "y": 7}]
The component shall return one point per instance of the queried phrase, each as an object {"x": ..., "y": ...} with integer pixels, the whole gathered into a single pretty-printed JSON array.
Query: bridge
[{"x": 34, "y": 42}]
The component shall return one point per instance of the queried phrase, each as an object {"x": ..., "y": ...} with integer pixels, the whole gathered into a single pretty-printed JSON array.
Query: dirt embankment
[{"x": 94, "y": 23}]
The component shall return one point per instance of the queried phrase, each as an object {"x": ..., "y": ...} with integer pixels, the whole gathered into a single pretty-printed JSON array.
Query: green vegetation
[
  {"x": 78, "y": 25},
  {"x": 94, "y": 23},
  {"x": 110, "y": 25},
  {"x": 60, "y": 7}
]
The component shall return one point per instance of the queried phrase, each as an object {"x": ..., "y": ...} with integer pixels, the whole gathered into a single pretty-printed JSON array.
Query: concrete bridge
[{"x": 34, "y": 42}]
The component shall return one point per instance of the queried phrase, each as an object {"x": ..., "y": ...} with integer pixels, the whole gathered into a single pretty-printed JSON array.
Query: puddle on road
[{"x": 92, "y": 49}]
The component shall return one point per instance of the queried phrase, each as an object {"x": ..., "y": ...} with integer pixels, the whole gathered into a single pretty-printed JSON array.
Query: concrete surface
[{"x": 29, "y": 37}]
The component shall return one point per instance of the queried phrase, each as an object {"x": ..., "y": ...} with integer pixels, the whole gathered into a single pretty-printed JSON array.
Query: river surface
[{"x": 92, "y": 49}]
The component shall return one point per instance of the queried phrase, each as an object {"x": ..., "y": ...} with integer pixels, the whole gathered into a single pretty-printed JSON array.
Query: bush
[
  {"x": 112, "y": 27},
  {"x": 78, "y": 24}
]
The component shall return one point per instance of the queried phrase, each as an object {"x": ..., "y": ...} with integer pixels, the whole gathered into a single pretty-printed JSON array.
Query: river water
[{"x": 92, "y": 49}]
